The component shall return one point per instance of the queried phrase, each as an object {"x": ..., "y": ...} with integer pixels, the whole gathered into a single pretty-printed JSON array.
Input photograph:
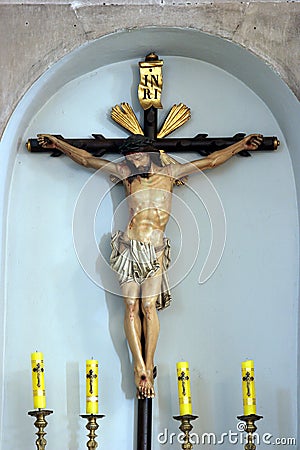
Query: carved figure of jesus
[{"x": 140, "y": 254}]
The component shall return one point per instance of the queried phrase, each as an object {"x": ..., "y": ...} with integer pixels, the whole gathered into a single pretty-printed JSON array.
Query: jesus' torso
[{"x": 149, "y": 202}]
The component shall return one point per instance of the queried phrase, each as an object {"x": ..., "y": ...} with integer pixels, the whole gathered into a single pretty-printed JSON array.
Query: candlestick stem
[
  {"x": 40, "y": 424},
  {"x": 250, "y": 429},
  {"x": 186, "y": 427},
  {"x": 92, "y": 427}
]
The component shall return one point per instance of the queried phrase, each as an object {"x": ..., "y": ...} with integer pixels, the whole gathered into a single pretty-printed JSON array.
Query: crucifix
[
  {"x": 91, "y": 376},
  {"x": 183, "y": 377},
  {"x": 248, "y": 378},
  {"x": 38, "y": 369},
  {"x": 141, "y": 253}
]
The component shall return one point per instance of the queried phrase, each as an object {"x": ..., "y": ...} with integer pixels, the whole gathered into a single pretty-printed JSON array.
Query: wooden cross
[
  {"x": 183, "y": 377},
  {"x": 91, "y": 376},
  {"x": 38, "y": 369},
  {"x": 149, "y": 95},
  {"x": 248, "y": 378}
]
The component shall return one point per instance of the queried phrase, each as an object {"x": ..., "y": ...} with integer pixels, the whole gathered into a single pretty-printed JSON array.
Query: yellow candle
[
  {"x": 184, "y": 388},
  {"x": 248, "y": 387},
  {"x": 38, "y": 380},
  {"x": 92, "y": 386}
]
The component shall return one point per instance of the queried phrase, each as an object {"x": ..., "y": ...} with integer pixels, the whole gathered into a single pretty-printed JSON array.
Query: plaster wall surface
[{"x": 34, "y": 35}]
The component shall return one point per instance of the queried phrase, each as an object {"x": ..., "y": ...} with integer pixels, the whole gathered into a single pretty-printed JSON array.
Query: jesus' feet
[{"x": 144, "y": 383}]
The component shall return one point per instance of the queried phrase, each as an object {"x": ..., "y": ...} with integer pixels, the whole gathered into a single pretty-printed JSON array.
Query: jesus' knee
[
  {"x": 131, "y": 308},
  {"x": 149, "y": 307}
]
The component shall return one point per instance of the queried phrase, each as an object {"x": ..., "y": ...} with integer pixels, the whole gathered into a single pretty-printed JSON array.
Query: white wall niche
[{"x": 248, "y": 308}]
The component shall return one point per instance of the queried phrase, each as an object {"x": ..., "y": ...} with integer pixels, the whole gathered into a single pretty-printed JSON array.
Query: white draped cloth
[{"x": 138, "y": 261}]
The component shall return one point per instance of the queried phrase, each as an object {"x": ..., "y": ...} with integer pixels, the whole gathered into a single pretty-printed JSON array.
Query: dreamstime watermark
[
  {"x": 228, "y": 437},
  {"x": 98, "y": 206}
]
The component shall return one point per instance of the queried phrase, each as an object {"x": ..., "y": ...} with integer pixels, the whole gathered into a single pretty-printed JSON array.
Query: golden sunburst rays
[
  {"x": 123, "y": 114},
  {"x": 178, "y": 116}
]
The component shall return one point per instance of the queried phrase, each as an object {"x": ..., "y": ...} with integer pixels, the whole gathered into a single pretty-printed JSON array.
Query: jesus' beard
[{"x": 142, "y": 171}]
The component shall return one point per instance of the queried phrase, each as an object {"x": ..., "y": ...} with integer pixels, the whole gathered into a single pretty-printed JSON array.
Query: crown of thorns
[{"x": 136, "y": 143}]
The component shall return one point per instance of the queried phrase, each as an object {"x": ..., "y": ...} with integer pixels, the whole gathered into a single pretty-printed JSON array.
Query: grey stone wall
[{"x": 34, "y": 35}]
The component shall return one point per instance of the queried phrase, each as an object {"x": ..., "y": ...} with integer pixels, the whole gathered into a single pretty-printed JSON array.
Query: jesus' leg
[
  {"x": 151, "y": 289},
  {"x": 133, "y": 331}
]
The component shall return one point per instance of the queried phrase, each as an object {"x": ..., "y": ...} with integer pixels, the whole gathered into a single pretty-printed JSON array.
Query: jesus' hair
[{"x": 154, "y": 157}]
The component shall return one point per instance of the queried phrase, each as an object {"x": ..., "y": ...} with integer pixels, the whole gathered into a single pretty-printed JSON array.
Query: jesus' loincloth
[{"x": 138, "y": 261}]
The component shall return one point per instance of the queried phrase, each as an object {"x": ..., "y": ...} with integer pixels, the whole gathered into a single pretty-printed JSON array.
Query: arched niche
[{"x": 248, "y": 308}]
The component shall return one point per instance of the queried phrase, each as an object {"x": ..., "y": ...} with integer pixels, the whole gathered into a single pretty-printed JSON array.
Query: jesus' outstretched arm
[
  {"x": 249, "y": 143},
  {"x": 78, "y": 155}
]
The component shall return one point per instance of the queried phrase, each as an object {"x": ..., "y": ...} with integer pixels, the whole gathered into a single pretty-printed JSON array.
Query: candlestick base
[
  {"x": 250, "y": 428},
  {"x": 186, "y": 427},
  {"x": 92, "y": 426},
  {"x": 41, "y": 424}
]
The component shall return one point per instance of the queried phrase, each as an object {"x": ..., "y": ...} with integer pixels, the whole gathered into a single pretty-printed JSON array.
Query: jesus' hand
[
  {"x": 252, "y": 142},
  {"x": 45, "y": 140}
]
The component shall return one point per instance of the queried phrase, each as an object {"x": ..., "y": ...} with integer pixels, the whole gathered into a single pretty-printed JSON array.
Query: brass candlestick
[
  {"x": 40, "y": 423},
  {"x": 250, "y": 428},
  {"x": 92, "y": 426},
  {"x": 186, "y": 427}
]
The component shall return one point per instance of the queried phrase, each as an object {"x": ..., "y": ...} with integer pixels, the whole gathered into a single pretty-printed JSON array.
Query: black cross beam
[
  {"x": 99, "y": 145},
  {"x": 201, "y": 143}
]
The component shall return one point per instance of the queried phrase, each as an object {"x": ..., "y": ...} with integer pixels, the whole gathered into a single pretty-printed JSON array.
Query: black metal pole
[
  {"x": 144, "y": 425},
  {"x": 150, "y": 122},
  {"x": 144, "y": 419}
]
